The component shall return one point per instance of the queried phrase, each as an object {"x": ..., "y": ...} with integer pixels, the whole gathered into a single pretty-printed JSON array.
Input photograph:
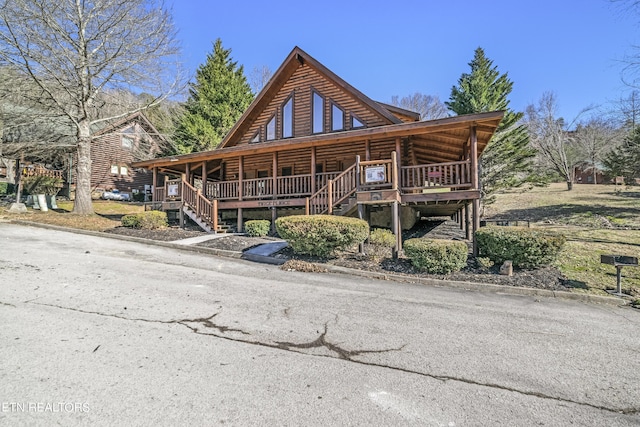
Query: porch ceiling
[{"x": 433, "y": 141}]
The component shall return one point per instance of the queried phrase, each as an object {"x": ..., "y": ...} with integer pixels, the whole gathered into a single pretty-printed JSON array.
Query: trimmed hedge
[
  {"x": 149, "y": 220},
  {"x": 257, "y": 227},
  {"x": 526, "y": 247},
  {"x": 321, "y": 235},
  {"x": 382, "y": 237},
  {"x": 436, "y": 256}
]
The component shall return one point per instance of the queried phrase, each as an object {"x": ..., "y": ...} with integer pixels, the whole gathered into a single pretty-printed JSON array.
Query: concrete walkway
[{"x": 199, "y": 239}]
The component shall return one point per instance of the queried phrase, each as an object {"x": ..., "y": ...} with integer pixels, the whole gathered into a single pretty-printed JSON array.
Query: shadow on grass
[{"x": 560, "y": 212}]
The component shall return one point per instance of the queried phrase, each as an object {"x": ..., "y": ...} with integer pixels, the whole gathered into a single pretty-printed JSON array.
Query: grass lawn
[
  {"x": 597, "y": 220},
  {"x": 107, "y": 215}
]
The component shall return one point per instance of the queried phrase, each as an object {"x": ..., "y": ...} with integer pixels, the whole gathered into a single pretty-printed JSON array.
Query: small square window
[
  {"x": 115, "y": 169},
  {"x": 127, "y": 142},
  {"x": 124, "y": 170}
]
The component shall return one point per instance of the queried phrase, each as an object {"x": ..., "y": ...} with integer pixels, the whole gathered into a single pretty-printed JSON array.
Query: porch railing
[
  {"x": 292, "y": 186},
  {"x": 453, "y": 175}
]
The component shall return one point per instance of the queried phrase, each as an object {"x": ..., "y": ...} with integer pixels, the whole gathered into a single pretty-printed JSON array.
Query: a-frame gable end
[{"x": 289, "y": 98}]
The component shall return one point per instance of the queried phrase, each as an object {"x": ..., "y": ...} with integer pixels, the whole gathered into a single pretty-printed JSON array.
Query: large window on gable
[
  {"x": 317, "y": 113},
  {"x": 337, "y": 118},
  {"x": 287, "y": 118},
  {"x": 271, "y": 129}
]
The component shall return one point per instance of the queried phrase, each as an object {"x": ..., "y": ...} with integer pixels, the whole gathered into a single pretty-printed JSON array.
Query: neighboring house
[
  {"x": 584, "y": 174},
  {"x": 311, "y": 143},
  {"x": 115, "y": 147}
]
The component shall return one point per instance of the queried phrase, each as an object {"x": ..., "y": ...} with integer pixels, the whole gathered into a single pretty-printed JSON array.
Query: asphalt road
[{"x": 97, "y": 331}]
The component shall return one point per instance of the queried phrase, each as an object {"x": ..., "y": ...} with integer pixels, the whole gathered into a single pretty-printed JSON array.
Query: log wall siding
[
  {"x": 300, "y": 84},
  {"x": 107, "y": 150}
]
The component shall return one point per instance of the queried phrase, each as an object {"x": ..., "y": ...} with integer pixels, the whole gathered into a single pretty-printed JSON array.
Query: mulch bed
[{"x": 375, "y": 260}]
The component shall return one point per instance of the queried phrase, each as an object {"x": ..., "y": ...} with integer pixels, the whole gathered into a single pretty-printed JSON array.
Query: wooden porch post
[
  {"x": 398, "y": 153},
  {"x": 154, "y": 184},
  {"x": 367, "y": 150},
  {"x": 240, "y": 185},
  {"x": 274, "y": 166},
  {"x": 313, "y": 170},
  {"x": 467, "y": 222},
  {"x": 240, "y": 176},
  {"x": 187, "y": 173},
  {"x": 330, "y": 197},
  {"x": 394, "y": 170},
  {"x": 475, "y": 182},
  {"x": 204, "y": 178},
  {"x": 396, "y": 228},
  {"x": 214, "y": 214},
  {"x": 166, "y": 181}
]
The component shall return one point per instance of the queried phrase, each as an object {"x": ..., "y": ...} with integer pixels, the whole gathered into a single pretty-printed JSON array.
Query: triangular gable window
[{"x": 356, "y": 123}]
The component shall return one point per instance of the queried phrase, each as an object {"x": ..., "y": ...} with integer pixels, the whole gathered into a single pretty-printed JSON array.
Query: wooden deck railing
[
  {"x": 454, "y": 175},
  {"x": 222, "y": 190},
  {"x": 257, "y": 188},
  {"x": 332, "y": 194},
  {"x": 295, "y": 185}
]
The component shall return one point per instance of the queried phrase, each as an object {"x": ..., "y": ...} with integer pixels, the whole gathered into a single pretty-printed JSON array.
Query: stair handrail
[
  {"x": 338, "y": 193},
  {"x": 204, "y": 209}
]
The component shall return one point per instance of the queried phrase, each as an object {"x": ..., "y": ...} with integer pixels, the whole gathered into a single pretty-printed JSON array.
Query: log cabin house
[
  {"x": 115, "y": 147},
  {"x": 310, "y": 143}
]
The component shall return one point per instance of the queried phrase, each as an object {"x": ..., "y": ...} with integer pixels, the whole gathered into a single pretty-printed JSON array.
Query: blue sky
[{"x": 573, "y": 48}]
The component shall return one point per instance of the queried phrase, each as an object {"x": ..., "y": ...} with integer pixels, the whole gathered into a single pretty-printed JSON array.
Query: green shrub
[
  {"x": 130, "y": 221},
  {"x": 321, "y": 235},
  {"x": 257, "y": 227},
  {"x": 382, "y": 237},
  {"x": 149, "y": 220},
  {"x": 436, "y": 256},
  {"x": 526, "y": 247}
]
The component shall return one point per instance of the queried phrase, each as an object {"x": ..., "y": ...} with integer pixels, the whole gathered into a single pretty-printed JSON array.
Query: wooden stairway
[
  {"x": 202, "y": 211},
  {"x": 337, "y": 197}
]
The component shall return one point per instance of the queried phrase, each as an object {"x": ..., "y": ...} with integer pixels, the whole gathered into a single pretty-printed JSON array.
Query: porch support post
[
  {"x": 397, "y": 228},
  {"x": 187, "y": 173},
  {"x": 240, "y": 175},
  {"x": 358, "y": 177},
  {"x": 240, "y": 221},
  {"x": 475, "y": 182},
  {"x": 313, "y": 170},
  {"x": 274, "y": 190},
  {"x": 367, "y": 150},
  {"x": 154, "y": 183},
  {"x": 214, "y": 214},
  {"x": 360, "y": 216},
  {"x": 166, "y": 182},
  {"x": 467, "y": 222},
  {"x": 330, "y": 197},
  {"x": 398, "y": 153},
  {"x": 394, "y": 170},
  {"x": 204, "y": 178}
]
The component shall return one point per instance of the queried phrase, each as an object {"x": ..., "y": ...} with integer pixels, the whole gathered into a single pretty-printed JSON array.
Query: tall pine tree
[
  {"x": 507, "y": 161},
  {"x": 216, "y": 101}
]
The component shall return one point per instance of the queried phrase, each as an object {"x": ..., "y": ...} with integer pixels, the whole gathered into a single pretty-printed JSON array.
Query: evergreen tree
[
  {"x": 507, "y": 160},
  {"x": 217, "y": 99},
  {"x": 625, "y": 160}
]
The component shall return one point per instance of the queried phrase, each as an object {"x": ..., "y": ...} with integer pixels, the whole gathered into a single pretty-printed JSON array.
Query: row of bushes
[{"x": 322, "y": 235}]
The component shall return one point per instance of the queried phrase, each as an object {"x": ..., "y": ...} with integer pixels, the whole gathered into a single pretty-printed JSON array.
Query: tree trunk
[
  {"x": 595, "y": 175},
  {"x": 569, "y": 185},
  {"x": 83, "y": 203}
]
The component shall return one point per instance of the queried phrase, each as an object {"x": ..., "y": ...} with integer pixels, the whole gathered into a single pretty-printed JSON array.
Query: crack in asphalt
[
  {"x": 343, "y": 354},
  {"x": 321, "y": 341}
]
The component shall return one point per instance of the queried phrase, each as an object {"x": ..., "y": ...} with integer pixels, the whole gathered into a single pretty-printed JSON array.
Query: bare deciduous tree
[
  {"x": 594, "y": 139},
  {"x": 259, "y": 77},
  {"x": 550, "y": 136},
  {"x": 430, "y": 107},
  {"x": 79, "y": 53}
]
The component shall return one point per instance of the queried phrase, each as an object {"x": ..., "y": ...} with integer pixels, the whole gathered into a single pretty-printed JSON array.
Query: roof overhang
[{"x": 454, "y": 131}]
